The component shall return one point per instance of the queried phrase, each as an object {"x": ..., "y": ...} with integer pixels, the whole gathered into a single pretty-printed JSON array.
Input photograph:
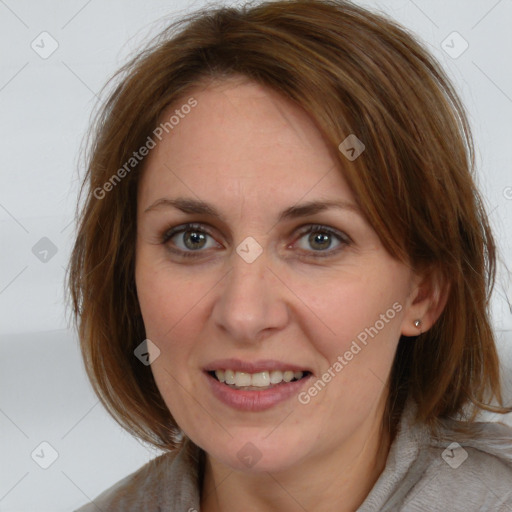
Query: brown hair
[{"x": 354, "y": 72}]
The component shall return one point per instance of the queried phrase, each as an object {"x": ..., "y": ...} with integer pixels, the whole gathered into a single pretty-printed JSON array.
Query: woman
[{"x": 283, "y": 267}]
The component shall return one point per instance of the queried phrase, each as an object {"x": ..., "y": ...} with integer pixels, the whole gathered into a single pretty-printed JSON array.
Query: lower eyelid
[
  {"x": 168, "y": 234},
  {"x": 181, "y": 232},
  {"x": 177, "y": 230},
  {"x": 341, "y": 237}
]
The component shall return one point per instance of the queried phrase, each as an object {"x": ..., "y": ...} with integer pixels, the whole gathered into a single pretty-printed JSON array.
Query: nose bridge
[
  {"x": 247, "y": 277},
  {"x": 249, "y": 301}
]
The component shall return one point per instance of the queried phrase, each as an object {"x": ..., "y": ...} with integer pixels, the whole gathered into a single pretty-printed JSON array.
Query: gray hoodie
[{"x": 422, "y": 474}]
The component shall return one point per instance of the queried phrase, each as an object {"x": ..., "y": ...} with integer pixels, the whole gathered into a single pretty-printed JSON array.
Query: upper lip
[{"x": 261, "y": 365}]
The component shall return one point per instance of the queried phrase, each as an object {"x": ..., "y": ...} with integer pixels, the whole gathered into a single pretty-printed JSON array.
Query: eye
[
  {"x": 188, "y": 239},
  {"x": 322, "y": 240}
]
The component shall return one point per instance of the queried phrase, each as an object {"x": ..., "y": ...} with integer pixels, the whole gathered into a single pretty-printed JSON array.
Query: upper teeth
[{"x": 259, "y": 379}]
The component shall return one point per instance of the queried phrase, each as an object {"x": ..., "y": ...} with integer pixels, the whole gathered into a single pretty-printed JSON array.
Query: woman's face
[{"x": 278, "y": 273}]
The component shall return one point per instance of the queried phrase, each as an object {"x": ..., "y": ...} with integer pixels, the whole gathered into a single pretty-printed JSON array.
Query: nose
[{"x": 251, "y": 301}]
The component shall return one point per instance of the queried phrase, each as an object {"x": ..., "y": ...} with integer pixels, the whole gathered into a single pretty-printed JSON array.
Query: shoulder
[
  {"x": 461, "y": 467},
  {"x": 166, "y": 480},
  {"x": 470, "y": 471}
]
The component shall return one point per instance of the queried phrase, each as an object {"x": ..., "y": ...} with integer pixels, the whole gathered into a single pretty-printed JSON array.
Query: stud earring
[{"x": 417, "y": 323}]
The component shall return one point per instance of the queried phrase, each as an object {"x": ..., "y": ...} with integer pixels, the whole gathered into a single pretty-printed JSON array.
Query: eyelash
[
  {"x": 183, "y": 229},
  {"x": 312, "y": 228}
]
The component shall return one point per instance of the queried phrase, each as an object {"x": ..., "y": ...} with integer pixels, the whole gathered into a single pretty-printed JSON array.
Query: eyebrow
[{"x": 198, "y": 206}]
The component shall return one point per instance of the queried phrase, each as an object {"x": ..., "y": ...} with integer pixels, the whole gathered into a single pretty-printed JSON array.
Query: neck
[{"x": 338, "y": 480}]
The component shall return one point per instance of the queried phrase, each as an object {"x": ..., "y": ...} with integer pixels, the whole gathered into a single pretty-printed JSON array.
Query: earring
[{"x": 417, "y": 323}]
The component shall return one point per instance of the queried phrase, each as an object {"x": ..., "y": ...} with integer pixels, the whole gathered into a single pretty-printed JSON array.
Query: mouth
[
  {"x": 255, "y": 386},
  {"x": 257, "y": 381}
]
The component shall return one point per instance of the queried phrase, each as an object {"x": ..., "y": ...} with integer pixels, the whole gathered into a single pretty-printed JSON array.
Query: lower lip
[{"x": 255, "y": 400}]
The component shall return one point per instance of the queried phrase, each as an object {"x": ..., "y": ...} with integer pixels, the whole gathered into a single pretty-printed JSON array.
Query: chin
[{"x": 257, "y": 454}]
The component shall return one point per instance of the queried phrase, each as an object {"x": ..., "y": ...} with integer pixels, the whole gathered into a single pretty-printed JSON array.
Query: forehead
[{"x": 242, "y": 138}]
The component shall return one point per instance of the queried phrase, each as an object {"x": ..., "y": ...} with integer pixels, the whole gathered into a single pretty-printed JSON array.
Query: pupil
[
  {"x": 319, "y": 240},
  {"x": 195, "y": 240}
]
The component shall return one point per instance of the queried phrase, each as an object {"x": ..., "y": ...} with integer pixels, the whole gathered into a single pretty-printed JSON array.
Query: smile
[
  {"x": 256, "y": 381},
  {"x": 255, "y": 386}
]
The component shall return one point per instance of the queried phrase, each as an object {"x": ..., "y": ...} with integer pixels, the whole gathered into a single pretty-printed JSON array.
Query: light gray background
[{"x": 44, "y": 111}]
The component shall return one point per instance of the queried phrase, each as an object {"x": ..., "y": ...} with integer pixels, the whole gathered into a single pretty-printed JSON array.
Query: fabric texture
[{"x": 422, "y": 473}]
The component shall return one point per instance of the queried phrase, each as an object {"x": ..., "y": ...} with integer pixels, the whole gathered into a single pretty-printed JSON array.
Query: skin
[{"x": 251, "y": 154}]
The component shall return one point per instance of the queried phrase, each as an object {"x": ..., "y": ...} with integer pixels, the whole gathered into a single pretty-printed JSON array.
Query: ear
[{"x": 426, "y": 302}]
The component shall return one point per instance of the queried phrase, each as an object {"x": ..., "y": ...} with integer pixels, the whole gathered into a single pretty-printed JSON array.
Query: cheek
[
  {"x": 174, "y": 310},
  {"x": 170, "y": 306},
  {"x": 167, "y": 298},
  {"x": 352, "y": 308},
  {"x": 360, "y": 316}
]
